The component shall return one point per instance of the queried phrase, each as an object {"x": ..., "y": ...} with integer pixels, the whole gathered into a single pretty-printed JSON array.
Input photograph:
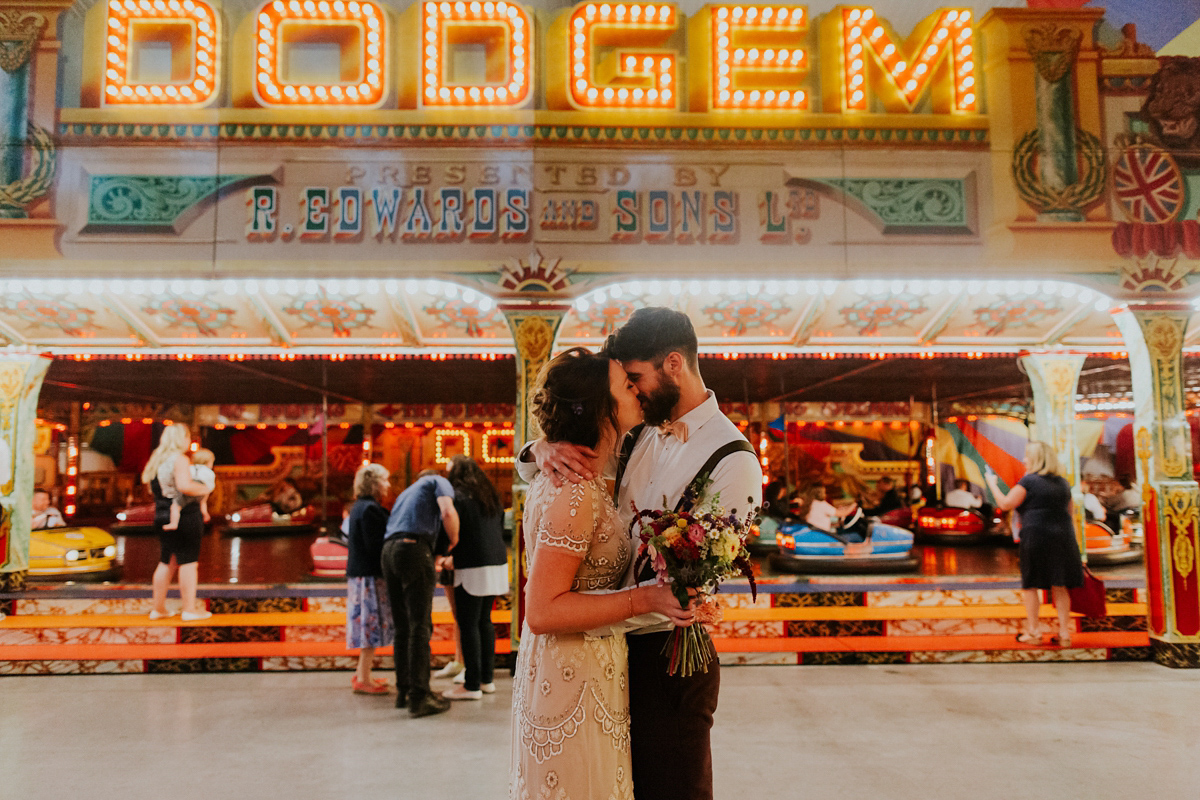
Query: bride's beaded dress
[{"x": 571, "y": 691}]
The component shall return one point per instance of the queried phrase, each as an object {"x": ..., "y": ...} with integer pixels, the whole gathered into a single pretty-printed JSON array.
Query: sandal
[
  {"x": 1029, "y": 638},
  {"x": 1061, "y": 640},
  {"x": 373, "y": 687}
]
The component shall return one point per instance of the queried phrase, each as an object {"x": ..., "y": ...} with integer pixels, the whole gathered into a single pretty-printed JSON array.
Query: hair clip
[{"x": 577, "y": 408}]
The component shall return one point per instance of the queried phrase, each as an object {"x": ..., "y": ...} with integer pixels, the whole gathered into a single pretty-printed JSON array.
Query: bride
[{"x": 570, "y": 690}]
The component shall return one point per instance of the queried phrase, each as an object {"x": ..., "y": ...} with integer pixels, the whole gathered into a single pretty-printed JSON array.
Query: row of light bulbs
[
  {"x": 233, "y": 287},
  {"x": 351, "y": 287},
  {"x": 775, "y": 288},
  {"x": 634, "y": 288}
]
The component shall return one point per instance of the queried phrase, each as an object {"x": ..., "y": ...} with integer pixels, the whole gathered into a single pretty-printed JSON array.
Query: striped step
[
  {"x": 504, "y": 616},
  {"x": 302, "y": 627}
]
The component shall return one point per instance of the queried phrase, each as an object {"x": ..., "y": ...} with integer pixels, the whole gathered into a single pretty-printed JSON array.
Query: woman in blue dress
[{"x": 1049, "y": 551}]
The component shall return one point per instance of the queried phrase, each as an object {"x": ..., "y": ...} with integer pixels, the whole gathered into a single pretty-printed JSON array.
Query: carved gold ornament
[
  {"x": 1181, "y": 516},
  {"x": 19, "y": 32},
  {"x": 1060, "y": 380},
  {"x": 1079, "y": 195},
  {"x": 1164, "y": 338},
  {"x": 1054, "y": 50},
  {"x": 535, "y": 336},
  {"x": 1144, "y": 448},
  {"x": 43, "y": 168}
]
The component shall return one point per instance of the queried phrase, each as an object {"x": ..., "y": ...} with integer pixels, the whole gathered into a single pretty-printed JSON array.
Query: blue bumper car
[
  {"x": 883, "y": 548},
  {"x": 763, "y": 539}
]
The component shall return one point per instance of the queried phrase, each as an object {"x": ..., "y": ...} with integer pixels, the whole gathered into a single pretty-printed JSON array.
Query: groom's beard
[{"x": 658, "y": 405}]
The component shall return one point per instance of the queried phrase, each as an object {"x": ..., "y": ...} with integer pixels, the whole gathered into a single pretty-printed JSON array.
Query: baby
[{"x": 202, "y": 472}]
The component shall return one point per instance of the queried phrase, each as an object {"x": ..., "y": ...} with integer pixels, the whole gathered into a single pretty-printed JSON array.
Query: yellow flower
[
  {"x": 681, "y": 523},
  {"x": 726, "y": 546}
]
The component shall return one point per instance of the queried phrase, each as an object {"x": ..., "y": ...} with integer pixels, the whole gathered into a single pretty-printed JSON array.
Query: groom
[{"x": 684, "y": 429}]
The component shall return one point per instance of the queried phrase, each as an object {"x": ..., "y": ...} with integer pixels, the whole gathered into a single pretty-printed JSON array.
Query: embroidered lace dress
[{"x": 571, "y": 691}]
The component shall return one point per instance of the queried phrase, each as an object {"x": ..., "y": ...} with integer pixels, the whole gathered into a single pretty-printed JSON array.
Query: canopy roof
[{"x": 434, "y": 317}]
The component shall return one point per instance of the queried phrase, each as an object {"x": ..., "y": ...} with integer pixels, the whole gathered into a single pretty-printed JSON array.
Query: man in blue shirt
[{"x": 420, "y": 512}]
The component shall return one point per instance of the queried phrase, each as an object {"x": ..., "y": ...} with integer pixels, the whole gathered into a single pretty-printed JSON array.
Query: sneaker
[
  {"x": 195, "y": 616},
  {"x": 462, "y": 693},
  {"x": 488, "y": 688},
  {"x": 450, "y": 670},
  {"x": 428, "y": 705},
  {"x": 161, "y": 614},
  {"x": 461, "y": 677}
]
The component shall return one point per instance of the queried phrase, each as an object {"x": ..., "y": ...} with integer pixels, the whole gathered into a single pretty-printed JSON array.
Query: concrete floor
[{"x": 897, "y": 732}]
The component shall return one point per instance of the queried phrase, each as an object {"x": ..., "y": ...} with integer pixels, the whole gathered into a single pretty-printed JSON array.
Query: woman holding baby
[{"x": 170, "y": 477}]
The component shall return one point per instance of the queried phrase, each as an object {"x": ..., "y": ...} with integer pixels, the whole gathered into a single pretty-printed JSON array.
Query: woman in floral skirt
[{"x": 368, "y": 615}]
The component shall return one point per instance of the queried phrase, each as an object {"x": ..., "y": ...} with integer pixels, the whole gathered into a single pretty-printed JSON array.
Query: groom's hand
[{"x": 563, "y": 461}]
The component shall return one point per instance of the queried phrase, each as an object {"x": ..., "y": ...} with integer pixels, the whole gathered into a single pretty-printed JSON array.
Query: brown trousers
[{"x": 670, "y": 719}]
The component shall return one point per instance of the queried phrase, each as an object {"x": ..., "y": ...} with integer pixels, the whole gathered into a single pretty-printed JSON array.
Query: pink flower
[{"x": 695, "y": 533}]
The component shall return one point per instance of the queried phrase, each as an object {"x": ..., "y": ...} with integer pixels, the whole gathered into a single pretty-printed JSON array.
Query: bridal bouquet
[{"x": 694, "y": 550}]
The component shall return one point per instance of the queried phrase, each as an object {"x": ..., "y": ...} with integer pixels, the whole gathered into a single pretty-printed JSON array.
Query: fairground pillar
[
  {"x": 534, "y": 327},
  {"x": 1154, "y": 335},
  {"x": 1054, "y": 377},
  {"x": 28, "y": 110},
  {"x": 20, "y": 381}
]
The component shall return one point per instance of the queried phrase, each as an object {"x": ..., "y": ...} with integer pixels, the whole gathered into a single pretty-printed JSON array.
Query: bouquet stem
[{"x": 689, "y": 651}]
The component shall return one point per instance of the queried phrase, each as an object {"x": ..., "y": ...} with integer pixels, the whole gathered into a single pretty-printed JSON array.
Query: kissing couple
[{"x": 595, "y": 712}]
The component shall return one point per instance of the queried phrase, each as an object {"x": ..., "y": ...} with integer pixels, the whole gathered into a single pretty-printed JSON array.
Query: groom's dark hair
[{"x": 653, "y": 333}]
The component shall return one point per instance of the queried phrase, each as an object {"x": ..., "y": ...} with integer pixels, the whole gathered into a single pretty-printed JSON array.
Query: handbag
[{"x": 1088, "y": 599}]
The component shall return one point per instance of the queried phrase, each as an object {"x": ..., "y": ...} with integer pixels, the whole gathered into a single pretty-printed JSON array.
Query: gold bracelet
[{"x": 631, "y": 614}]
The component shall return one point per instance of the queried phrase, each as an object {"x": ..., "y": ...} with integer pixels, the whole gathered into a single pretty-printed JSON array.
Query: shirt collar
[{"x": 701, "y": 414}]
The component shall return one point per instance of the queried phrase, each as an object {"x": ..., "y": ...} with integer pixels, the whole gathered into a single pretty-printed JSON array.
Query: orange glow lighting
[
  {"x": 506, "y": 32},
  {"x": 638, "y": 72},
  {"x": 193, "y": 30},
  {"x": 751, "y": 69},
  {"x": 358, "y": 26},
  {"x": 906, "y": 69}
]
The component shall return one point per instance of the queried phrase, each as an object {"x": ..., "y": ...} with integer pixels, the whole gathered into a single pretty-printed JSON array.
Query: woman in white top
[
  {"x": 169, "y": 472},
  {"x": 480, "y": 564},
  {"x": 822, "y": 514}
]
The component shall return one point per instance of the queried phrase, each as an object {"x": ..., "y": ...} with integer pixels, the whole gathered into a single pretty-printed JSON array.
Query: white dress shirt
[
  {"x": 822, "y": 515},
  {"x": 961, "y": 498},
  {"x": 661, "y": 467}
]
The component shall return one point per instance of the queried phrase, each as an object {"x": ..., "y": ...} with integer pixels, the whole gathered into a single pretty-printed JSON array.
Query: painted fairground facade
[{"x": 329, "y": 178}]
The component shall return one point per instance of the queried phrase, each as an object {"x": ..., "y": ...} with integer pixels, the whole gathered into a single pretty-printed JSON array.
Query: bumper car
[
  {"x": 950, "y": 525},
  {"x": 884, "y": 548},
  {"x": 762, "y": 539},
  {"x": 265, "y": 518},
  {"x": 329, "y": 555},
  {"x": 135, "y": 519},
  {"x": 1107, "y": 547},
  {"x": 73, "y": 553}
]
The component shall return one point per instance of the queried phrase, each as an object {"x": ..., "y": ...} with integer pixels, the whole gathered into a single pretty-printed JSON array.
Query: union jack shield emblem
[{"x": 1148, "y": 185}]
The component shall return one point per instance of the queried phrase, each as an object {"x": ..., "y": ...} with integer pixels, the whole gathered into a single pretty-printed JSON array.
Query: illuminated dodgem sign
[{"x": 598, "y": 56}]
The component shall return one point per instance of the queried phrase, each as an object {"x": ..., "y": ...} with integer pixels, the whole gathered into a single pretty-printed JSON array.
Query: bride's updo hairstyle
[{"x": 573, "y": 402}]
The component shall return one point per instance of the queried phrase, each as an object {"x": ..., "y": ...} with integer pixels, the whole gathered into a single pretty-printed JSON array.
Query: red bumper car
[
  {"x": 264, "y": 518},
  {"x": 950, "y": 525},
  {"x": 329, "y": 555},
  {"x": 134, "y": 519}
]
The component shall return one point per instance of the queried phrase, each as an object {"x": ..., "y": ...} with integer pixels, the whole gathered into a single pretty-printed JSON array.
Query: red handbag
[{"x": 1089, "y": 598}]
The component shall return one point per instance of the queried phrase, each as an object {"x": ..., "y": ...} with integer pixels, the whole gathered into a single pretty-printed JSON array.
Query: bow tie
[{"x": 678, "y": 429}]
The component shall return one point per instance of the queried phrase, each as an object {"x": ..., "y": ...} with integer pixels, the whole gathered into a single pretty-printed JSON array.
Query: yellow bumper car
[{"x": 73, "y": 552}]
